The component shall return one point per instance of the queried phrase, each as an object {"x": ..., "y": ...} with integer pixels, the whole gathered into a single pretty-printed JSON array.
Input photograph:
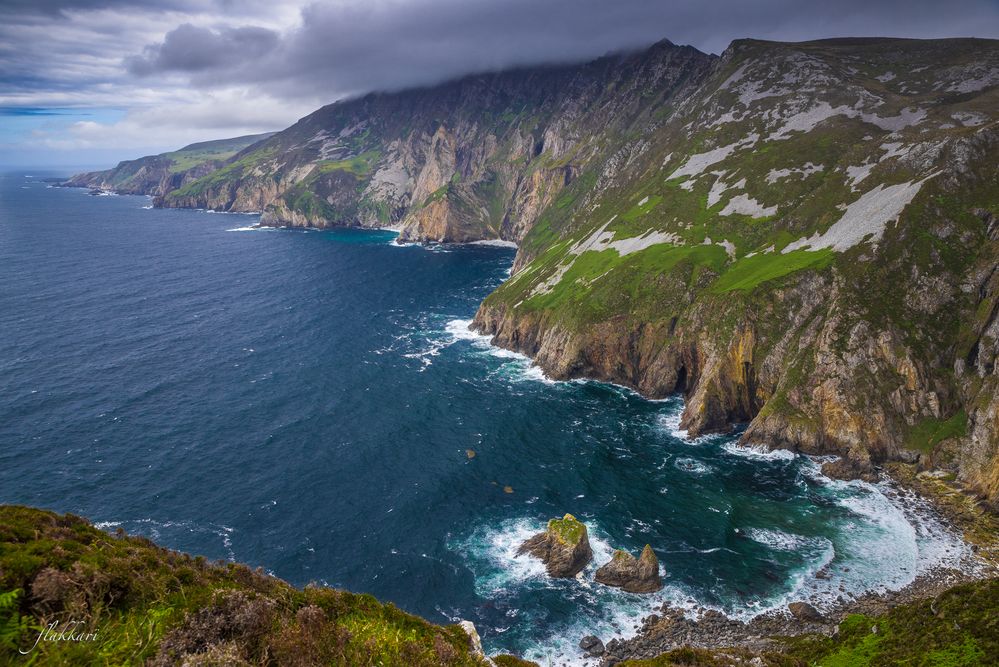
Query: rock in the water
[
  {"x": 855, "y": 465},
  {"x": 805, "y": 612},
  {"x": 635, "y": 575},
  {"x": 564, "y": 547},
  {"x": 592, "y": 645}
]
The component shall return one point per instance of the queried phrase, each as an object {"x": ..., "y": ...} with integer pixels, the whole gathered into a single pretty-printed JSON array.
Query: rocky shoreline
[
  {"x": 958, "y": 508},
  {"x": 671, "y": 628}
]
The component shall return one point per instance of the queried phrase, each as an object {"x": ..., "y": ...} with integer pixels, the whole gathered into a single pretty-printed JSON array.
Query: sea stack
[
  {"x": 564, "y": 547},
  {"x": 635, "y": 575}
]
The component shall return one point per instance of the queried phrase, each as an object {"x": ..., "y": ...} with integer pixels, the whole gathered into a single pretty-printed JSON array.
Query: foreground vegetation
[
  {"x": 149, "y": 605},
  {"x": 129, "y": 602}
]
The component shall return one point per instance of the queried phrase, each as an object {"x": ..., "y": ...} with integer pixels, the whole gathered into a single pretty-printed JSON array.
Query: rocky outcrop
[
  {"x": 635, "y": 575},
  {"x": 978, "y": 370},
  {"x": 564, "y": 547},
  {"x": 805, "y": 612},
  {"x": 475, "y": 642},
  {"x": 592, "y": 646}
]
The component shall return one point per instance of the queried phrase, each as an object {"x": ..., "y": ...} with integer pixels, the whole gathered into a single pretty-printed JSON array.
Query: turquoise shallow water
[{"x": 303, "y": 401}]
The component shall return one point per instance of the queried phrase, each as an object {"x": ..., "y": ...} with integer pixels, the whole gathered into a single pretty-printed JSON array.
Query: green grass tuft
[
  {"x": 930, "y": 432},
  {"x": 750, "y": 272}
]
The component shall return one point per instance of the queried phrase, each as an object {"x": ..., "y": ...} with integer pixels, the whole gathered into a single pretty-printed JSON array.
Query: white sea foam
[
  {"x": 776, "y": 539},
  {"x": 692, "y": 466},
  {"x": 670, "y": 422},
  {"x": 499, "y": 243},
  {"x": 883, "y": 541},
  {"x": 759, "y": 452},
  {"x": 491, "y": 554},
  {"x": 519, "y": 366}
]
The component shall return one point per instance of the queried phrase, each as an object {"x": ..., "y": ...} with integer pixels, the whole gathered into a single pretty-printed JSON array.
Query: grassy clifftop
[
  {"x": 128, "y": 602},
  {"x": 157, "y": 174}
]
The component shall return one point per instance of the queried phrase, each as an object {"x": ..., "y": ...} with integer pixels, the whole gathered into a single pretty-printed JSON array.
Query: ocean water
[{"x": 304, "y": 401}]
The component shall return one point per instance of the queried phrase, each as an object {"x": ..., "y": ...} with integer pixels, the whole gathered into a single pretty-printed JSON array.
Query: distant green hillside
[
  {"x": 158, "y": 174},
  {"x": 221, "y": 149}
]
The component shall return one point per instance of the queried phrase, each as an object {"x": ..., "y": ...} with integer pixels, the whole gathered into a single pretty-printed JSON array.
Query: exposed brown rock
[
  {"x": 635, "y": 575},
  {"x": 564, "y": 547},
  {"x": 805, "y": 612}
]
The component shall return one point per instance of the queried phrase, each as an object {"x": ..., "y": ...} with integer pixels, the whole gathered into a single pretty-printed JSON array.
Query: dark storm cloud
[
  {"x": 169, "y": 72},
  {"x": 350, "y": 47},
  {"x": 55, "y": 7},
  {"x": 192, "y": 49}
]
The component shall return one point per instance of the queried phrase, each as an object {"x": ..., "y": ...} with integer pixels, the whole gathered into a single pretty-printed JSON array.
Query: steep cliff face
[
  {"x": 159, "y": 174},
  {"x": 806, "y": 244},
  {"x": 797, "y": 236},
  {"x": 478, "y": 158},
  {"x": 977, "y": 370}
]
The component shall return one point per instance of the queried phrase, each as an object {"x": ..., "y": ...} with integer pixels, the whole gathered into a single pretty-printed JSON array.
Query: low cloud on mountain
[{"x": 171, "y": 58}]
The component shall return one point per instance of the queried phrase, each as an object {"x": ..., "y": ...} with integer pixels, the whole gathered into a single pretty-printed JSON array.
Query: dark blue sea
[{"x": 310, "y": 402}]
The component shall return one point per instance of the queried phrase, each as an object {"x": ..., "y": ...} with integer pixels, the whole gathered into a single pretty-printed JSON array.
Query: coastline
[
  {"x": 715, "y": 631},
  {"x": 667, "y": 628},
  {"x": 671, "y": 628}
]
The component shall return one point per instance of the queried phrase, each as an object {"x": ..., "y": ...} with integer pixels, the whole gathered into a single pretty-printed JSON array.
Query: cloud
[
  {"x": 188, "y": 48},
  {"x": 211, "y": 65},
  {"x": 355, "y": 46},
  {"x": 232, "y": 112}
]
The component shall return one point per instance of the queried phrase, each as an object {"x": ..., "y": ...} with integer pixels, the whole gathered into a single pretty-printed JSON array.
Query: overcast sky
[{"x": 88, "y": 83}]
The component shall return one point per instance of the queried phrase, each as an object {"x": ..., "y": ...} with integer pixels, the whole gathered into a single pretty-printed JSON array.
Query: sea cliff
[{"x": 800, "y": 237}]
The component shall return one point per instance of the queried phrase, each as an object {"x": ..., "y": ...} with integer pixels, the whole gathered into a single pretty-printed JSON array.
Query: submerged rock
[
  {"x": 635, "y": 575},
  {"x": 564, "y": 547},
  {"x": 805, "y": 612}
]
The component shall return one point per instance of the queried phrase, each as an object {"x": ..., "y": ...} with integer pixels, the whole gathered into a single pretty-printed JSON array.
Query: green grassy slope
[
  {"x": 192, "y": 155},
  {"x": 154, "y": 174},
  {"x": 149, "y": 605}
]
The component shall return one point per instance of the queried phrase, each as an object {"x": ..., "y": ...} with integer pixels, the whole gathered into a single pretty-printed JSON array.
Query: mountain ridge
[{"x": 798, "y": 236}]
